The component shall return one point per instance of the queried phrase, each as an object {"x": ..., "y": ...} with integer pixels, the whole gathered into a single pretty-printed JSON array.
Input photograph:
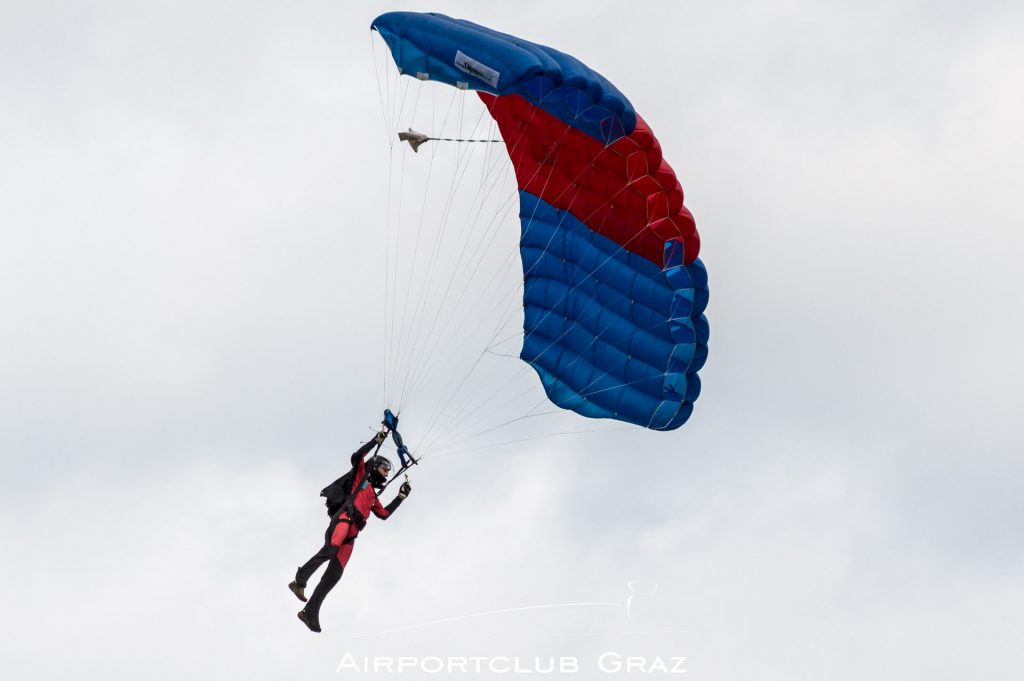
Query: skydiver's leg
[
  {"x": 344, "y": 533},
  {"x": 307, "y": 569},
  {"x": 332, "y": 575}
]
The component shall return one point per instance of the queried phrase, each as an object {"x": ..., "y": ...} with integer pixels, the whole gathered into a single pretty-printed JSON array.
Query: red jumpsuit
[
  {"x": 365, "y": 501},
  {"x": 346, "y": 524}
]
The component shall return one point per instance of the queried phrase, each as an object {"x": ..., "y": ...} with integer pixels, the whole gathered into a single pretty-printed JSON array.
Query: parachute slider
[
  {"x": 415, "y": 139},
  {"x": 418, "y": 139}
]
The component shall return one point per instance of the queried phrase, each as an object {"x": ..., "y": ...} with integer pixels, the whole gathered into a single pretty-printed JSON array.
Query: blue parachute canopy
[{"x": 614, "y": 293}]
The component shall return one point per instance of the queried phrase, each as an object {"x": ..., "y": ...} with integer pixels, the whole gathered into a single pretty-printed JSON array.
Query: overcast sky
[{"x": 193, "y": 231}]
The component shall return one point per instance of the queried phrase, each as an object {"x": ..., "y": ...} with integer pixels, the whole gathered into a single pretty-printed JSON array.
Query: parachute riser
[{"x": 390, "y": 423}]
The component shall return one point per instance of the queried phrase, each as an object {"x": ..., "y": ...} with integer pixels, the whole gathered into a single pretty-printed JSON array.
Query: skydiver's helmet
[{"x": 376, "y": 479}]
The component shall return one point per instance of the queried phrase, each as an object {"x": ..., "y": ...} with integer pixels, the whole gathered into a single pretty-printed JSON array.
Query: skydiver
[{"x": 350, "y": 499}]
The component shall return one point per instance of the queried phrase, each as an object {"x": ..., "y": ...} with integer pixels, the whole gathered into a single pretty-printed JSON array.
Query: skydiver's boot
[
  {"x": 298, "y": 590},
  {"x": 313, "y": 626}
]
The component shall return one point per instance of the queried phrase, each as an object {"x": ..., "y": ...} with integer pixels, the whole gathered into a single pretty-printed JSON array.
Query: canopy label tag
[{"x": 474, "y": 68}]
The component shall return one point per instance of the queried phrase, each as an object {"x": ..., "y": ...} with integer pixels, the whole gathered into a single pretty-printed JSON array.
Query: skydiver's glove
[
  {"x": 379, "y": 438},
  {"x": 404, "y": 490}
]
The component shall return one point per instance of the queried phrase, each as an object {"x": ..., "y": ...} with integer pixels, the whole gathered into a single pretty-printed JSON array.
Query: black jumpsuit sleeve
[{"x": 384, "y": 512}]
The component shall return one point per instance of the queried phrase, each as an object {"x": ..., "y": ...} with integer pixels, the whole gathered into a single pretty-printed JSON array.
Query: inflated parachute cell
[{"x": 614, "y": 293}]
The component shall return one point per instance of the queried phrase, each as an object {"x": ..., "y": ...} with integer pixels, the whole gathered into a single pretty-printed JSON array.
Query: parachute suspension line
[
  {"x": 378, "y": 67},
  {"x": 512, "y": 303},
  {"x": 450, "y": 352},
  {"x": 457, "y": 423},
  {"x": 398, "y": 282},
  {"x": 491, "y": 230},
  {"x": 441, "y": 411},
  {"x": 452, "y": 441},
  {"x": 380, "y": 92},
  {"x": 408, "y": 354},
  {"x": 452, "y": 392},
  {"x": 387, "y": 278},
  {"x": 427, "y": 283},
  {"x": 524, "y": 371},
  {"x": 439, "y": 443},
  {"x": 392, "y": 310},
  {"x": 423, "y": 289},
  {"x": 503, "y": 321},
  {"x": 392, "y": 81},
  {"x": 444, "y": 320},
  {"x": 501, "y": 354},
  {"x": 517, "y": 334},
  {"x": 528, "y": 415},
  {"x": 556, "y": 149},
  {"x": 434, "y": 445},
  {"x": 484, "y": 183},
  {"x": 449, "y": 391},
  {"x": 487, "y": 382},
  {"x": 489, "y": 242},
  {"x": 441, "y": 415},
  {"x": 593, "y": 342},
  {"x": 390, "y": 84},
  {"x": 445, "y": 418},
  {"x": 459, "y": 173},
  {"x": 397, "y": 105},
  {"x": 584, "y": 391},
  {"x": 479, "y": 243},
  {"x": 439, "y": 330},
  {"x": 582, "y": 429}
]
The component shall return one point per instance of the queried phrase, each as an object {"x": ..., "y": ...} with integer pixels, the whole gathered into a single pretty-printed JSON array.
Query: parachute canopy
[{"x": 614, "y": 293}]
